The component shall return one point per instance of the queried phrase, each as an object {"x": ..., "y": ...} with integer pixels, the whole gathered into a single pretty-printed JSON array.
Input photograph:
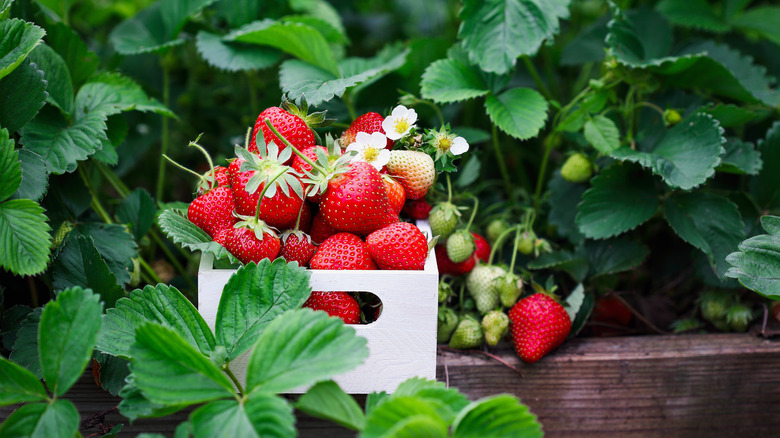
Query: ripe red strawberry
[
  {"x": 368, "y": 123},
  {"x": 220, "y": 175},
  {"x": 338, "y": 304},
  {"x": 483, "y": 248},
  {"x": 415, "y": 171},
  {"x": 289, "y": 125},
  {"x": 301, "y": 166},
  {"x": 395, "y": 194},
  {"x": 297, "y": 247},
  {"x": 305, "y": 223},
  {"x": 221, "y": 236},
  {"x": 417, "y": 208},
  {"x": 356, "y": 201},
  {"x": 213, "y": 210},
  {"x": 610, "y": 311},
  {"x": 342, "y": 251},
  {"x": 244, "y": 243},
  {"x": 320, "y": 230},
  {"x": 539, "y": 325},
  {"x": 447, "y": 266},
  {"x": 398, "y": 246}
]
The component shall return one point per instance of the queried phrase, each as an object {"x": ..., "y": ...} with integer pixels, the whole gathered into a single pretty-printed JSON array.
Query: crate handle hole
[{"x": 370, "y": 305}]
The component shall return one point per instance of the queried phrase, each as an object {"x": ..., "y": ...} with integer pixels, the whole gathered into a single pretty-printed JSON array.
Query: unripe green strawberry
[
  {"x": 495, "y": 228},
  {"x": 445, "y": 291},
  {"x": 443, "y": 219},
  {"x": 685, "y": 325},
  {"x": 509, "y": 288},
  {"x": 447, "y": 321},
  {"x": 714, "y": 305},
  {"x": 62, "y": 232},
  {"x": 460, "y": 246},
  {"x": 495, "y": 326},
  {"x": 467, "y": 335},
  {"x": 671, "y": 117},
  {"x": 577, "y": 169},
  {"x": 481, "y": 287},
  {"x": 739, "y": 317},
  {"x": 526, "y": 243}
]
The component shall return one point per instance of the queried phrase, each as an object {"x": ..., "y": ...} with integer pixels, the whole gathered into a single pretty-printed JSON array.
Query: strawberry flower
[
  {"x": 371, "y": 149},
  {"x": 445, "y": 142},
  {"x": 398, "y": 124}
]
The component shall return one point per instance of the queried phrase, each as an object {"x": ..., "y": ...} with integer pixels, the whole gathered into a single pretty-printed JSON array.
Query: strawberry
[
  {"x": 526, "y": 243},
  {"x": 610, "y": 311},
  {"x": 221, "y": 236},
  {"x": 446, "y": 266},
  {"x": 460, "y": 246},
  {"x": 480, "y": 284},
  {"x": 342, "y": 251},
  {"x": 468, "y": 334},
  {"x": 509, "y": 287},
  {"x": 577, "y": 169},
  {"x": 356, "y": 201},
  {"x": 368, "y": 123},
  {"x": 444, "y": 218},
  {"x": 320, "y": 230},
  {"x": 417, "y": 208},
  {"x": 495, "y": 326},
  {"x": 539, "y": 325},
  {"x": 445, "y": 291},
  {"x": 395, "y": 194},
  {"x": 482, "y": 252},
  {"x": 495, "y": 228},
  {"x": 251, "y": 241},
  {"x": 446, "y": 323},
  {"x": 297, "y": 247},
  {"x": 399, "y": 246},
  {"x": 301, "y": 166},
  {"x": 739, "y": 317},
  {"x": 339, "y": 304},
  {"x": 415, "y": 171},
  {"x": 220, "y": 175},
  {"x": 304, "y": 223},
  {"x": 212, "y": 211}
]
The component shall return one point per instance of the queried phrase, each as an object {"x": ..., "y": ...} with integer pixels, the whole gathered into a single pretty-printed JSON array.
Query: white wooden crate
[{"x": 401, "y": 343}]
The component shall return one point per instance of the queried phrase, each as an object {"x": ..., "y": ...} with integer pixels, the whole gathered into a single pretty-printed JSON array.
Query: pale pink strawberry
[{"x": 414, "y": 170}]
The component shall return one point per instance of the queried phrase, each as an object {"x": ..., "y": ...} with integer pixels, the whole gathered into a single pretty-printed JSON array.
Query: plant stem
[
  {"x": 449, "y": 187},
  {"x": 514, "y": 251},
  {"x": 473, "y": 213},
  {"x": 265, "y": 189},
  {"x": 294, "y": 149},
  {"x": 548, "y": 147},
  {"x": 501, "y": 163},
  {"x": 537, "y": 79},
  {"x": 94, "y": 202},
  {"x": 226, "y": 369},
  {"x": 153, "y": 275},
  {"x": 164, "y": 146},
  {"x": 499, "y": 241},
  {"x": 435, "y": 108}
]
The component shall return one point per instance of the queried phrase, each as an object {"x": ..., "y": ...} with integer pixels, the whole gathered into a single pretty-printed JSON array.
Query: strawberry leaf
[
  {"x": 765, "y": 187},
  {"x": 500, "y": 415},
  {"x": 58, "y": 84},
  {"x": 10, "y": 168},
  {"x": 449, "y": 80},
  {"x": 18, "y": 385},
  {"x": 764, "y": 21},
  {"x": 22, "y": 95},
  {"x": 741, "y": 157},
  {"x": 233, "y": 56},
  {"x": 614, "y": 255},
  {"x": 137, "y": 212},
  {"x": 35, "y": 176},
  {"x": 57, "y": 419},
  {"x": 79, "y": 264},
  {"x": 143, "y": 33},
  {"x": 24, "y": 237},
  {"x": 696, "y": 14},
  {"x": 405, "y": 413},
  {"x": 81, "y": 61},
  {"x": 756, "y": 263},
  {"x": 17, "y": 39},
  {"x": 112, "y": 93},
  {"x": 520, "y": 112},
  {"x": 602, "y": 133},
  {"x": 25, "y": 347},
  {"x": 328, "y": 401},
  {"x": 259, "y": 415},
  {"x": 178, "y": 228}
]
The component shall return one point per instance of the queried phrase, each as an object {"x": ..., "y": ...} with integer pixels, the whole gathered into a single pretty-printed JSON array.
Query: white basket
[{"x": 401, "y": 343}]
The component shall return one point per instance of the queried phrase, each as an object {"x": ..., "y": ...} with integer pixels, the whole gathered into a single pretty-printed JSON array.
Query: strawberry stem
[
  {"x": 499, "y": 241},
  {"x": 300, "y": 210},
  {"x": 294, "y": 149},
  {"x": 449, "y": 187},
  {"x": 514, "y": 250},
  {"x": 265, "y": 189},
  {"x": 184, "y": 168},
  {"x": 195, "y": 144},
  {"x": 473, "y": 212}
]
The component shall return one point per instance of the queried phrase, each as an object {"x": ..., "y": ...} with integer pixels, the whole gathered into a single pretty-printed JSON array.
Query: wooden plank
[{"x": 646, "y": 386}]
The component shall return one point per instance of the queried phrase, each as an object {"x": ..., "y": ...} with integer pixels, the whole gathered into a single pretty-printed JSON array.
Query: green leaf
[
  {"x": 520, "y": 112},
  {"x": 496, "y": 32},
  {"x": 35, "y": 176},
  {"x": 253, "y": 297},
  {"x": 320, "y": 9},
  {"x": 741, "y": 157},
  {"x": 709, "y": 222},
  {"x": 418, "y": 426},
  {"x": 757, "y": 262},
  {"x": 10, "y": 168},
  {"x": 261, "y": 415},
  {"x": 449, "y": 80},
  {"x": 469, "y": 173},
  {"x": 137, "y": 210},
  {"x": 500, "y": 415},
  {"x": 57, "y": 76},
  {"x": 176, "y": 13},
  {"x": 113, "y": 372},
  {"x": 62, "y": 145},
  {"x": 80, "y": 264},
  {"x": 240, "y": 12},
  {"x": 685, "y": 156},
  {"x": 765, "y": 187},
  {"x": 22, "y": 95},
  {"x": 602, "y": 133},
  {"x": 17, "y": 39},
  {"x": 611, "y": 256},
  {"x": 583, "y": 313},
  {"x": 115, "y": 245},
  {"x": 18, "y": 385},
  {"x": 24, "y": 237},
  {"x": 447, "y": 401},
  {"x": 302, "y": 347},
  {"x": 574, "y": 301},
  {"x": 58, "y": 419},
  {"x": 143, "y": 33},
  {"x": 328, "y": 401},
  {"x": 112, "y": 93},
  {"x": 160, "y": 304},
  {"x": 178, "y": 228},
  {"x": 622, "y": 197},
  {"x": 394, "y": 410},
  {"x": 730, "y": 115},
  {"x": 764, "y": 20},
  {"x": 25, "y": 348},
  {"x": 575, "y": 265},
  {"x": 5, "y": 8},
  {"x": 134, "y": 405},
  {"x": 640, "y": 38},
  {"x": 233, "y": 56},
  {"x": 587, "y": 46},
  {"x": 696, "y": 14},
  {"x": 81, "y": 61},
  {"x": 334, "y": 35},
  {"x": 66, "y": 335},
  {"x": 564, "y": 196},
  {"x": 299, "y": 40},
  {"x": 170, "y": 371}
]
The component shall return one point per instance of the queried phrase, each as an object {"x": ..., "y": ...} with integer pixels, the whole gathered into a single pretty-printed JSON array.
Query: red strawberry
[
  {"x": 213, "y": 210},
  {"x": 292, "y": 127},
  {"x": 415, "y": 171},
  {"x": 249, "y": 245},
  {"x": 297, "y": 247},
  {"x": 320, "y": 230},
  {"x": 539, "y": 325},
  {"x": 417, "y": 208},
  {"x": 207, "y": 182},
  {"x": 301, "y": 166},
  {"x": 610, "y": 311},
  {"x": 338, "y": 304},
  {"x": 342, "y": 251},
  {"x": 395, "y": 194},
  {"x": 398, "y": 246},
  {"x": 368, "y": 123},
  {"x": 447, "y": 266},
  {"x": 483, "y": 248},
  {"x": 305, "y": 223},
  {"x": 221, "y": 236},
  {"x": 356, "y": 201}
]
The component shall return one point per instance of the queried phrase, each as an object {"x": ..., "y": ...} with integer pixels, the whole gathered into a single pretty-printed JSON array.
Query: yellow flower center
[
  {"x": 401, "y": 125},
  {"x": 371, "y": 154},
  {"x": 445, "y": 143}
]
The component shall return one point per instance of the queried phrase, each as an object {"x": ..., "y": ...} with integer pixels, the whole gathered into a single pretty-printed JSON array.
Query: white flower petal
[
  {"x": 399, "y": 111},
  {"x": 388, "y": 125},
  {"x": 363, "y": 138},
  {"x": 411, "y": 117},
  {"x": 394, "y": 135},
  {"x": 355, "y": 147},
  {"x": 382, "y": 159},
  {"x": 459, "y": 146},
  {"x": 378, "y": 140}
]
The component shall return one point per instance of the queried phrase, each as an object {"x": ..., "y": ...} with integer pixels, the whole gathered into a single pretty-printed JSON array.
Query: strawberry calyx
[
  {"x": 257, "y": 225},
  {"x": 314, "y": 120},
  {"x": 269, "y": 171},
  {"x": 297, "y": 233}
]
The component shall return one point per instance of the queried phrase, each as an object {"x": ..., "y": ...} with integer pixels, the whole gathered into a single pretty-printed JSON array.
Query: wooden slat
[{"x": 720, "y": 385}]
